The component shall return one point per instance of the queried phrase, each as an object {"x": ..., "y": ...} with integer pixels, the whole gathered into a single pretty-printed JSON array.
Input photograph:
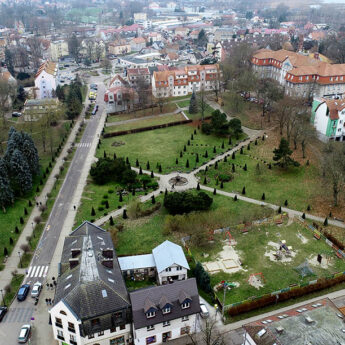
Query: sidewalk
[{"x": 13, "y": 260}]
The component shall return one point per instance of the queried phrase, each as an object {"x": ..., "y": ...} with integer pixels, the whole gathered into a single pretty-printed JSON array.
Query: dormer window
[
  {"x": 168, "y": 269},
  {"x": 166, "y": 310},
  {"x": 185, "y": 305},
  {"x": 178, "y": 268},
  {"x": 150, "y": 314}
]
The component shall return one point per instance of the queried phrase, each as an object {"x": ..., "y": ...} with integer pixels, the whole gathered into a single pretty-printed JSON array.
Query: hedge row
[
  {"x": 135, "y": 108},
  {"x": 295, "y": 292},
  {"x": 144, "y": 129}
]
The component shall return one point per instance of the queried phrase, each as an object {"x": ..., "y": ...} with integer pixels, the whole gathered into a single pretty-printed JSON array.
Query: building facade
[
  {"x": 328, "y": 118},
  {"x": 120, "y": 98},
  {"x": 119, "y": 47},
  {"x": 166, "y": 312},
  {"x": 91, "y": 303},
  {"x": 46, "y": 80},
  {"x": 36, "y": 108},
  {"x": 301, "y": 75},
  {"x": 182, "y": 81},
  {"x": 58, "y": 49}
]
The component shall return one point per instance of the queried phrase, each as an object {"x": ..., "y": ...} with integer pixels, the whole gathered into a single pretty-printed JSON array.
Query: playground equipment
[
  {"x": 231, "y": 239},
  {"x": 304, "y": 269},
  {"x": 224, "y": 285}
]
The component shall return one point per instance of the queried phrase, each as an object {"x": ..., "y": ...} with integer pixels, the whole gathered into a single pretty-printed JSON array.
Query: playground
[{"x": 267, "y": 257}]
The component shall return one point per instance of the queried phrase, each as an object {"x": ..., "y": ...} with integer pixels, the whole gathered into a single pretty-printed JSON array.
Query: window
[
  {"x": 184, "y": 318},
  {"x": 91, "y": 336},
  {"x": 341, "y": 78},
  {"x": 178, "y": 268},
  {"x": 331, "y": 78},
  {"x": 71, "y": 327},
  {"x": 166, "y": 310},
  {"x": 122, "y": 326},
  {"x": 185, "y": 305},
  {"x": 151, "y": 314},
  {"x": 73, "y": 338},
  {"x": 118, "y": 341},
  {"x": 113, "y": 329},
  {"x": 185, "y": 330},
  {"x": 58, "y": 322},
  {"x": 150, "y": 328},
  {"x": 166, "y": 323},
  {"x": 95, "y": 322},
  {"x": 168, "y": 269},
  {"x": 150, "y": 340},
  {"x": 100, "y": 333},
  {"x": 60, "y": 335}
]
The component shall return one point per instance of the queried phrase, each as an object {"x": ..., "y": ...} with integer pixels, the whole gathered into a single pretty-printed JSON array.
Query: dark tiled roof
[
  {"x": 172, "y": 293},
  {"x": 90, "y": 288}
]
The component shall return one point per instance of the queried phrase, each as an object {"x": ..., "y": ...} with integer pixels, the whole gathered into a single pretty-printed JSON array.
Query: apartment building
[
  {"x": 46, "y": 80},
  {"x": 182, "y": 81},
  {"x": 58, "y": 49}
]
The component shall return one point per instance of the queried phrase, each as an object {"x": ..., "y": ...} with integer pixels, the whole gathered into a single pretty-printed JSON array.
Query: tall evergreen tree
[
  {"x": 30, "y": 153},
  {"x": 6, "y": 192},
  {"x": 20, "y": 175},
  {"x": 193, "y": 104}
]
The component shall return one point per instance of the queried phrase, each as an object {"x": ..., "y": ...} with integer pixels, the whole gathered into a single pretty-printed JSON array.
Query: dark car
[
  {"x": 94, "y": 87},
  {"x": 3, "y": 311},
  {"x": 23, "y": 292},
  {"x": 16, "y": 114},
  {"x": 95, "y": 109}
]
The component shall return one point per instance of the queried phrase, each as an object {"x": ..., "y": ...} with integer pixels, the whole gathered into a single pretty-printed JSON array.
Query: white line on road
[
  {"x": 33, "y": 271},
  {"x": 29, "y": 271},
  {"x": 45, "y": 272}
]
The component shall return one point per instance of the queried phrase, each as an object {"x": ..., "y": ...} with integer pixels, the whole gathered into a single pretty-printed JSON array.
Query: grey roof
[
  {"x": 136, "y": 262},
  {"x": 90, "y": 288},
  {"x": 167, "y": 254},
  {"x": 42, "y": 101},
  {"x": 140, "y": 301}
]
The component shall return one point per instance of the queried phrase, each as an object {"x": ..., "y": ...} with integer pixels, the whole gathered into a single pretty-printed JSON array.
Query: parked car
[
  {"x": 16, "y": 114},
  {"x": 95, "y": 109},
  {"x": 204, "y": 311},
  {"x": 94, "y": 87},
  {"x": 23, "y": 292},
  {"x": 24, "y": 334},
  {"x": 3, "y": 311},
  {"x": 36, "y": 289}
]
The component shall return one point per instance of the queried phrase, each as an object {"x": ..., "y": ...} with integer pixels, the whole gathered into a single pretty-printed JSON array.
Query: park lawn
[
  {"x": 16, "y": 282},
  {"x": 251, "y": 248},
  {"x": 137, "y": 284},
  {"x": 300, "y": 186},
  {"x": 183, "y": 104},
  {"x": 141, "y": 235},
  {"x": 163, "y": 146},
  {"x": 198, "y": 115},
  {"x": 11, "y": 218},
  {"x": 158, "y": 120}
]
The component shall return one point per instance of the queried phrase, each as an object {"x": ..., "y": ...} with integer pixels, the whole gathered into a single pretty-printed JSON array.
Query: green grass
[
  {"x": 15, "y": 284},
  {"x": 163, "y": 146},
  {"x": 198, "y": 115},
  {"x": 252, "y": 247},
  {"x": 135, "y": 285},
  {"x": 183, "y": 104},
  {"x": 145, "y": 123},
  {"x": 299, "y": 185}
]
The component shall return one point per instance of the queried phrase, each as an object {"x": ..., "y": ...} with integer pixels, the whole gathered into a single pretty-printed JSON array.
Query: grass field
[
  {"x": 300, "y": 186},
  {"x": 183, "y": 104},
  {"x": 163, "y": 146},
  {"x": 14, "y": 286},
  {"x": 252, "y": 248},
  {"x": 198, "y": 115},
  {"x": 159, "y": 120}
]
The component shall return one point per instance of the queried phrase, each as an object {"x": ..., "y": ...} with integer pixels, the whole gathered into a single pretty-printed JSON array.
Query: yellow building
[{"x": 58, "y": 49}]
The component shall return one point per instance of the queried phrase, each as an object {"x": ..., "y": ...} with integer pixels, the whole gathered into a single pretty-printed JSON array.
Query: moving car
[
  {"x": 95, "y": 109},
  {"x": 204, "y": 311},
  {"x": 3, "y": 311},
  {"x": 36, "y": 289},
  {"x": 24, "y": 334},
  {"x": 23, "y": 292},
  {"x": 16, "y": 114}
]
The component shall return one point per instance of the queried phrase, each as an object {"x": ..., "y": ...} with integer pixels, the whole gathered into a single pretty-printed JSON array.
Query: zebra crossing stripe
[
  {"x": 33, "y": 271},
  {"x": 41, "y": 272},
  {"x": 29, "y": 271},
  {"x": 46, "y": 271}
]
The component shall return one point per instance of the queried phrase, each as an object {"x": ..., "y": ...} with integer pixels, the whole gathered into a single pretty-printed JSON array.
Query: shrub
[
  {"x": 110, "y": 191},
  {"x": 93, "y": 212},
  {"x": 206, "y": 128},
  {"x": 225, "y": 177},
  {"x": 111, "y": 220},
  {"x": 153, "y": 185},
  {"x": 100, "y": 208}
]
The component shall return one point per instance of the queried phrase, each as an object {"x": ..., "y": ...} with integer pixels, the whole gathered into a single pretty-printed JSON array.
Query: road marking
[
  {"x": 29, "y": 271},
  {"x": 46, "y": 271},
  {"x": 83, "y": 144},
  {"x": 19, "y": 315},
  {"x": 41, "y": 272},
  {"x": 33, "y": 271},
  {"x": 37, "y": 271}
]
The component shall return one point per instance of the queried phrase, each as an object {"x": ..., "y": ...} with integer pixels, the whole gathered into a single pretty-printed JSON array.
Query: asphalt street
[{"x": 21, "y": 312}]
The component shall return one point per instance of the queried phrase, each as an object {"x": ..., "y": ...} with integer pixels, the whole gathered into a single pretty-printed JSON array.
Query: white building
[
  {"x": 91, "y": 303},
  {"x": 58, "y": 49},
  {"x": 46, "y": 80},
  {"x": 328, "y": 117},
  {"x": 166, "y": 312}
]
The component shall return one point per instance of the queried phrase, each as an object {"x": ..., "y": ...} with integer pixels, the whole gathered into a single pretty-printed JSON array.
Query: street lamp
[
  {"x": 3, "y": 299},
  {"x": 20, "y": 259}
]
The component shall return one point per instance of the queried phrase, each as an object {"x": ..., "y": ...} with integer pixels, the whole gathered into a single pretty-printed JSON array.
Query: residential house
[
  {"x": 36, "y": 108},
  {"x": 181, "y": 31},
  {"x": 138, "y": 76},
  {"x": 140, "y": 17},
  {"x": 183, "y": 81},
  {"x": 6, "y": 77},
  {"x": 46, "y": 80},
  {"x": 194, "y": 34},
  {"x": 224, "y": 34},
  {"x": 119, "y": 47},
  {"x": 154, "y": 37},
  {"x": 93, "y": 49},
  {"x": 120, "y": 98},
  {"x": 328, "y": 118},
  {"x": 167, "y": 262},
  {"x": 137, "y": 43},
  {"x": 319, "y": 322},
  {"x": 91, "y": 303},
  {"x": 117, "y": 80},
  {"x": 58, "y": 49},
  {"x": 163, "y": 313},
  {"x": 301, "y": 75}
]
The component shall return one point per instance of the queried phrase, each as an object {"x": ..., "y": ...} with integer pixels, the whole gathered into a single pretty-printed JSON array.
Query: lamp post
[
  {"x": 2, "y": 296},
  {"x": 20, "y": 259}
]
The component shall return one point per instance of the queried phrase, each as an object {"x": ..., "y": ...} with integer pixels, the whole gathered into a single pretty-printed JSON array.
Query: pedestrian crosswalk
[
  {"x": 22, "y": 315},
  {"x": 83, "y": 144},
  {"x": 37, "y": 271}
]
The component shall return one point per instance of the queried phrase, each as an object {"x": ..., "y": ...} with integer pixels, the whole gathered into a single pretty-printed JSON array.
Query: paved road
[{"x": 21, "y": 312}]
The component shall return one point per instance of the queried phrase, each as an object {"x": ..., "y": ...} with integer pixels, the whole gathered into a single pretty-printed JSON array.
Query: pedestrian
[
  {"x": 50, "y": 301},
  {"x": 74, "y": 207},
  {"x": 46, "y": 301},
  {"x": 47, "y": 286},
  {"x": 51, "y": 286},
  {"x": 40, "y": 203},
  {"x": 36, "y": 203},
  {"x": 54, "y": 282}
]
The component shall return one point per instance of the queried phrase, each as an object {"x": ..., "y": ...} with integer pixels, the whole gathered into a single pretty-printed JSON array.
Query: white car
[
  {"x": 204, "y": 311},
  {"x": 24, "y": 334},
  {"x": 36, "y": 289}
]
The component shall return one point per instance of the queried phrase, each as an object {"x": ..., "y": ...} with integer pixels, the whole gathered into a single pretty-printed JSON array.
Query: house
[
  {"x": 183, "y": 81},
  {"x": 328, "y": 118},
  {"x": 93, "y": 49},
  {"x": 120, "y": 98},
  {"x": 91, "y": 303},
  {"x": 138, "y": 76},
  {"x": 181, "y": 31},
  {"x": 301, "y": 75},
  {"x": 58, "y": 49},
  {"x": 194, "y": 34},
  {"x": 163, "y": 313},
  {"x": 36, "y": 108},
  {"x": 117, "y": 80},
  {"x": 319, "y": 322},
  {"x": 137, "y": 43},
  {"x": 46, "y": 80},
  {"x": 119, "y": 47},
  {"x": 167, "y": 262},
  {"x": 139, "y": 17}
]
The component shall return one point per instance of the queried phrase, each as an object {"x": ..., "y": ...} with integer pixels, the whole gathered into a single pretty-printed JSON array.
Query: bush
[
  {"x": 152, "y": 185},
  {"x": 100, "y": 208},
  {"x": 225, "y": 177},
  {"x": 206, "y": 128},
  {"x": 185, "y": 202}
]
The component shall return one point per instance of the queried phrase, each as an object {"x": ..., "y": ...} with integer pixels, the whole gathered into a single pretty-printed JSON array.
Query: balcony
[{"x": 61, "y": 337}]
